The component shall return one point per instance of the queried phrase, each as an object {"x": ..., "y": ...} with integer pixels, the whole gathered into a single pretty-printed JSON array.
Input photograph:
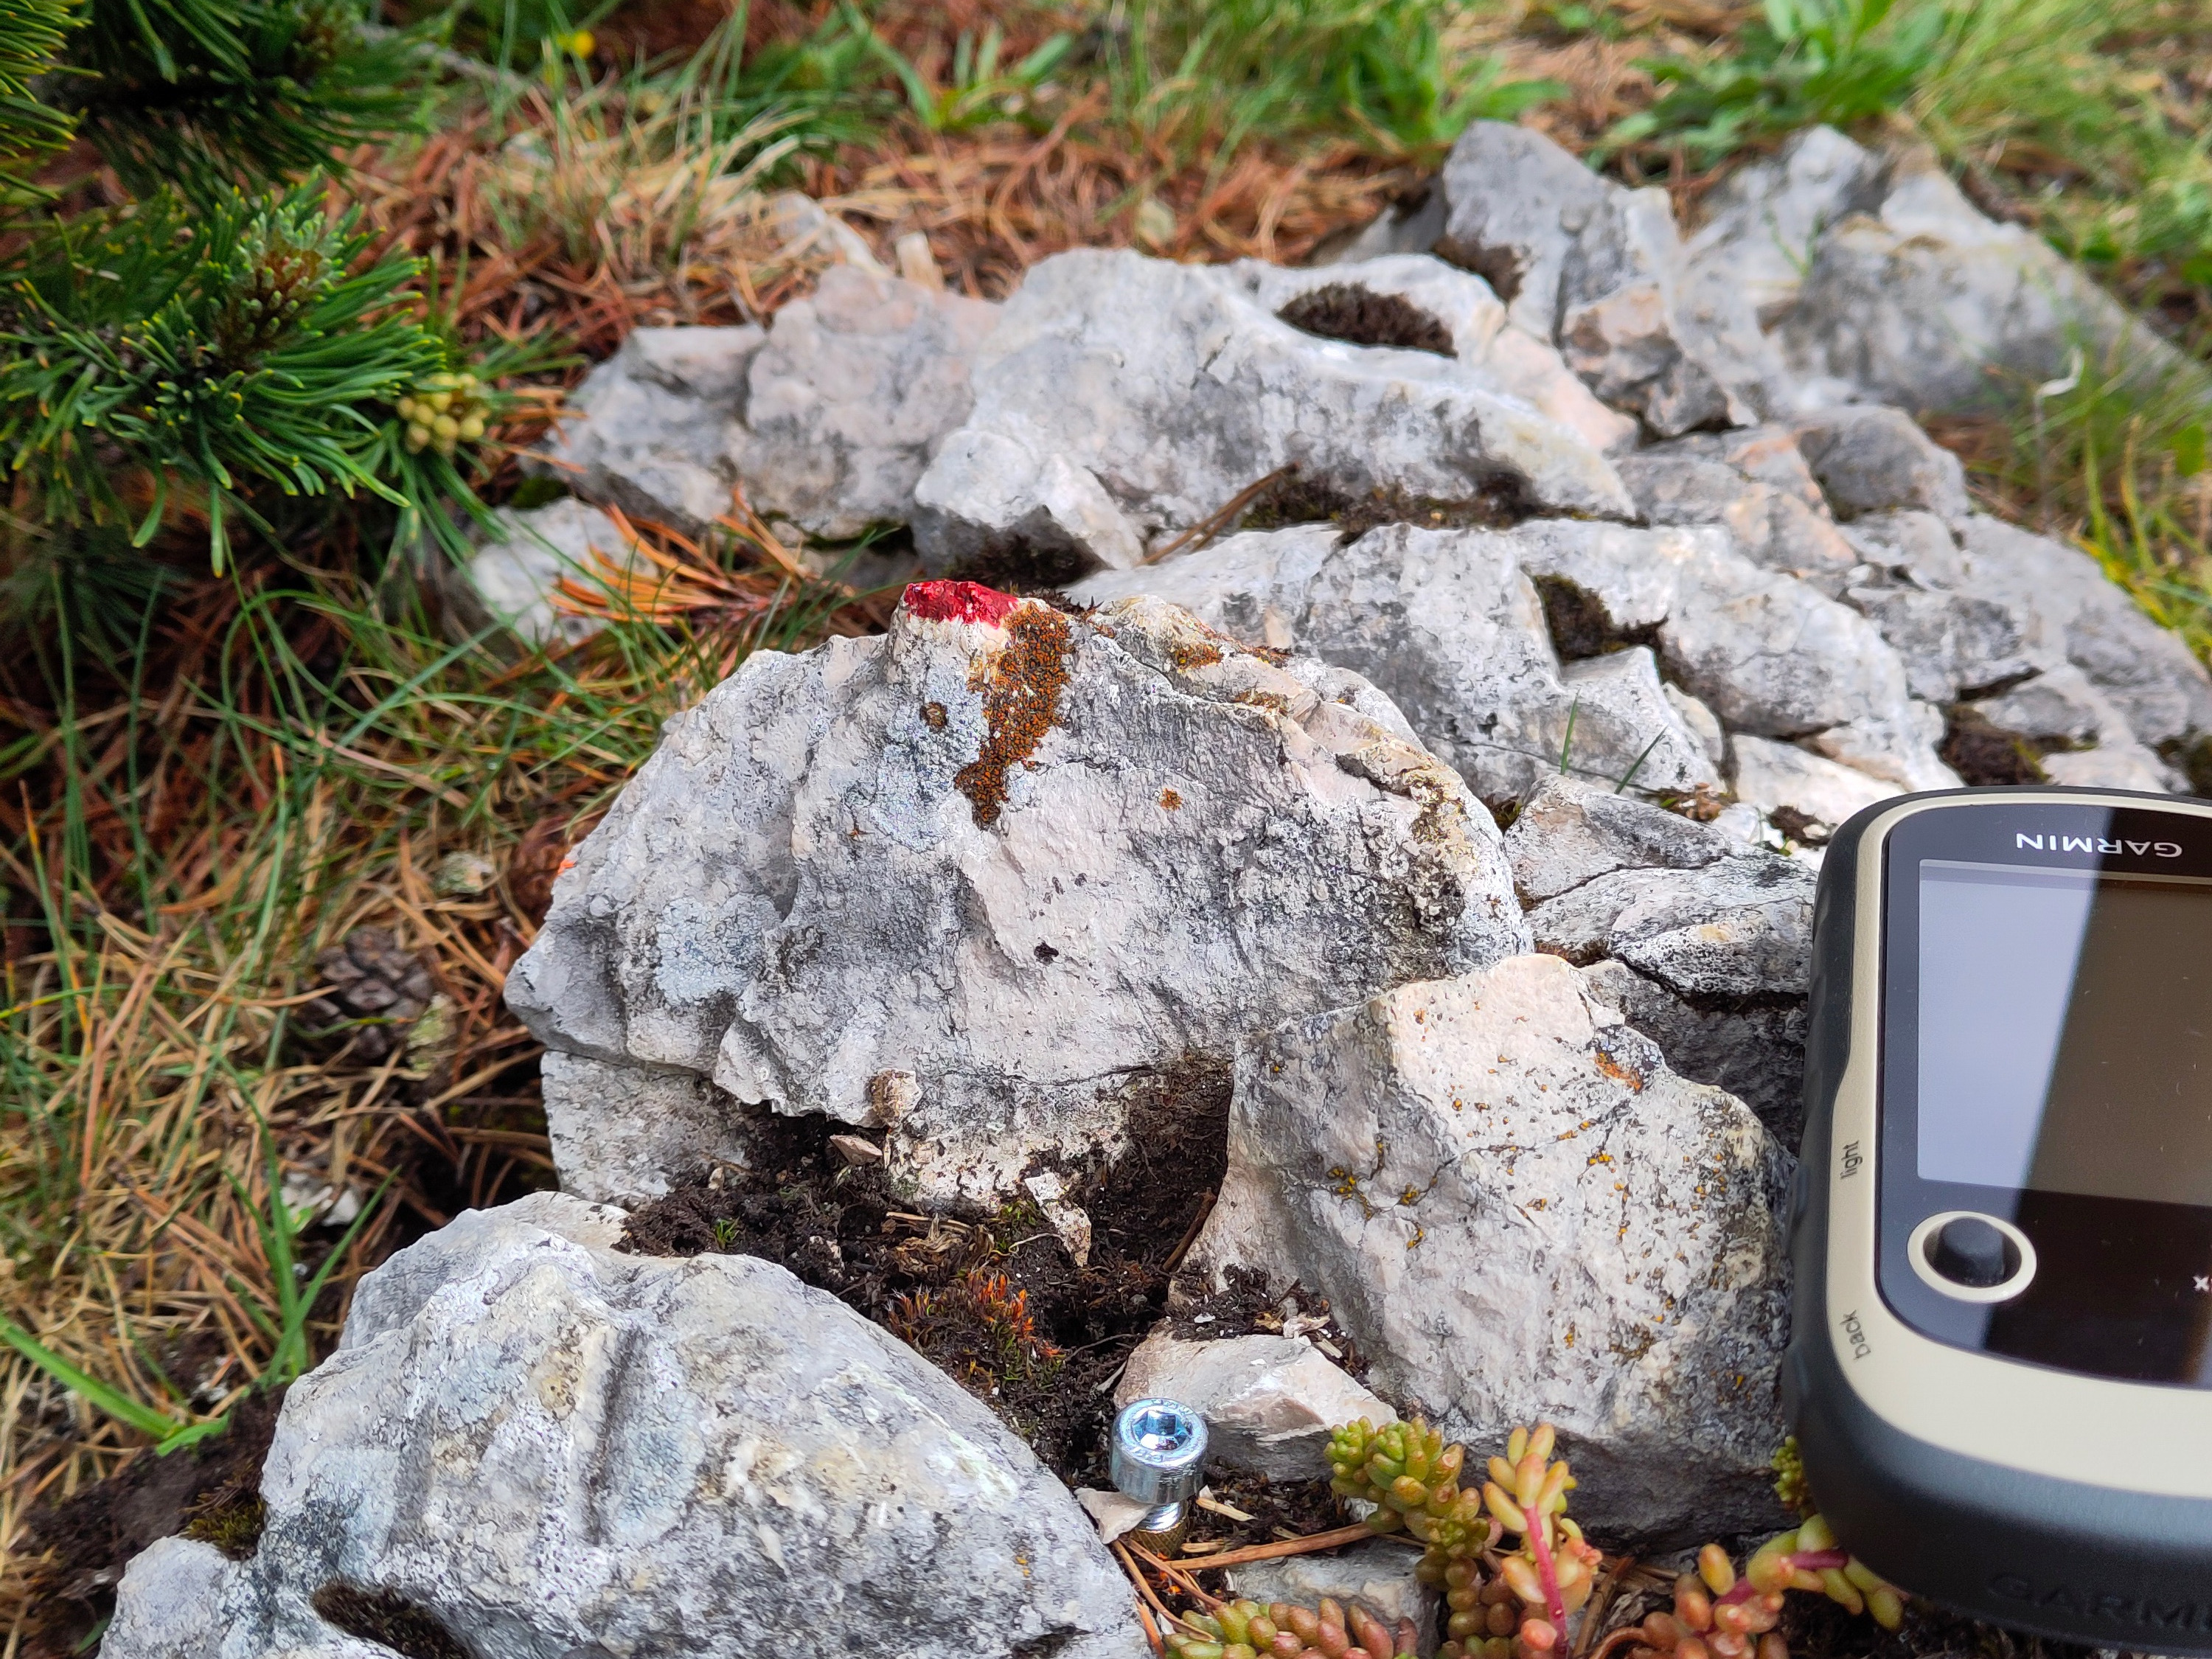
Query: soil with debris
[
  {"x": 994, "y": 1299},
  {"x": 1274, "y": 1510},
  {"x": 1359, "y": 316},
  {"x": 211, "y": 1490}
]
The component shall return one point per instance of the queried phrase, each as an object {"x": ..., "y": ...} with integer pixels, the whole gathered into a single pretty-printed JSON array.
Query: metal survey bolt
[{"x": 1159, "y": 1458}]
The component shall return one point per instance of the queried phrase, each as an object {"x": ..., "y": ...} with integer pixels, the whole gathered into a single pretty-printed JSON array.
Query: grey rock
[
  {"x": 650, "y": 429},
  {"x": 1122, "y": 400},
  {"x": 1918, "y": 547},
  {"x": 623, "y": 1134},
  {"x": 1411, "y": 226},
  {"x": 1568, "y": 833},
  {"x": 1952, "y": 645},
  {"x": 852, "y": 396},
  {"x": 1757, "y": 484},
  {"x": 1736, "y": 928},
  {"x": 513, "y": 577},
  {"x": 1871, "y": 460},
  {"x": 551, "y": 1448},
  {"x": 1269, "y": 1402},
  {"x": 2080, "y": 732},
  {"x": 1763, "y": 221},
  {"x": 1486, "y": 1177},
  {"x": 826, "y": 420},
  {"x": 794, "y": 890},
  {"x": 1927, "y": 304},
  {"x": 1378, "y": 1576},
  {"x": 1771, "y": 776},
  {"x": 1448, "y": 625},
  {"x": 1599, "y": 270},
  {"x": 2069, "y": 607},
  {"x": 1753, "y": 1047}
]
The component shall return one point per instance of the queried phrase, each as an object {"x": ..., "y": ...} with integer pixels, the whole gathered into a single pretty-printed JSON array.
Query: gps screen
[{"x": 2066, "y": 1031}]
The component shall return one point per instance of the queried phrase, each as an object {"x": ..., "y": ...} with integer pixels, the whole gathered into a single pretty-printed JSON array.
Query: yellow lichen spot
[{"x": 1170, "y": 800}]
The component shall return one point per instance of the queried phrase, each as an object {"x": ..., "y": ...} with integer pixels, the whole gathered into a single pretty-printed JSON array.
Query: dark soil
[
  {"x": 1805, "y": 831},
  {"x": 388, "y": 1618},
  {"x": 1816, "y": 1628},
  {"x": 211, "y": 1491},
  {"x": 1279, "y": 1509},
  {"x": 1981, "y": 754},
  {"x": 1296, "y": 498},
  {"x": 1015, "y": 564},
  {"x": 1252, "y": 1306},
  {"x": 994, "y": 1299},
  {"x": 1360, "y": 316},
  {"x": 1579, "y": 623}
]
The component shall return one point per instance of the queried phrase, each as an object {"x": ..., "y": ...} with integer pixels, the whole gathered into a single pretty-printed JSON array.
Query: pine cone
[{"x": 377, "y": 990}]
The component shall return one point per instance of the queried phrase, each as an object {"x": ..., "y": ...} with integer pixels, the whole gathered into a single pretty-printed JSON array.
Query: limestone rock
[
  {"x": 1734, "y": 928},
  {"x": 1269, "y": 1402},
  {"x": 2071, "y": 608},
  {"x": 1953, "y": 645},
  {"x": 651, "y": 427},
  {"x": 827, "y": 418},
  {"x": 1448, "y": 624},
  {"x": 1757, "y": 484},
  {"x": 513, "y": 577},
  {"x": 1871, "y": 460},
  {"x": 1763, "y": 221},
  {"x": 1122, "y": 400},
  {"x": 1927, "y": 303},
  {"x": 1567, "y": 833},
  {"x": 621, "y": 1133},
  {"x": 1521, "y": 1214},
  {"x": 1600, "y": 270},
  {"x": 851, "y": 397},
  {"x": 1753, "y": 1047},
  {"x": 978, "y": 880},
  {"x": 547, "y": 1447},
  {"x": 1772, "y": 776}
]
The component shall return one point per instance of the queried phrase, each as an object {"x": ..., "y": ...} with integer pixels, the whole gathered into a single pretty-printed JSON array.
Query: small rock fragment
[{"x": 1269, "y": 1402}]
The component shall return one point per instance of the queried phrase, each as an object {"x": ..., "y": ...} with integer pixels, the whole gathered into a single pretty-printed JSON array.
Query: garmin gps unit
[{"x": 2000, "y": 1373}]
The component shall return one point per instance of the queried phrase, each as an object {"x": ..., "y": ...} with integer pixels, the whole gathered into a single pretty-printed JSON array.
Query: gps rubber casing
[{"x": 2075, "y": 1506}]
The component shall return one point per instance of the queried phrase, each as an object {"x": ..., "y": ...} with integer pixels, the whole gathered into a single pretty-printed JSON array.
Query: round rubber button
[
  {"x": 1970, "y": 1257},
  {"x": 1967, "y": 1250}
]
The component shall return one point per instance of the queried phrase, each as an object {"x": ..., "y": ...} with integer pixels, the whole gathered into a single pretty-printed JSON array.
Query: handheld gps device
[{"x": 2000, "y": 1373}]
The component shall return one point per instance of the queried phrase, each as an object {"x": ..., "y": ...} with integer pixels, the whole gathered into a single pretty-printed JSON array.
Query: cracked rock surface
[
  {"x": 543, "y": 1447},
  {"x": 1521, "y": 1214},
  {"x": 972, "y": 880},
  {"x": 1122, "y": 400}
]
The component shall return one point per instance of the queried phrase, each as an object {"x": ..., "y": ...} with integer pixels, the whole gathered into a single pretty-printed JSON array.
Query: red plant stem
[
  {"x": 1819, "y": 1560},
  {"x": 1547, "y": 1574}
]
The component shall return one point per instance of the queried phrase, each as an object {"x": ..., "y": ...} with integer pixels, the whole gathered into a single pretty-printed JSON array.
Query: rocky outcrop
[
  {"x": 826, "y": 419},
  {"x": 976, "y": 880},
  {"x": 1521, "y": 1214},
  {"x": 534, "y": 1445},
  {"x": 512, "y": 578},
  {"x": 1452, "y": 626},
  {"x": 1599, "y": 270},
  {"x": 1122, "y": 400}
]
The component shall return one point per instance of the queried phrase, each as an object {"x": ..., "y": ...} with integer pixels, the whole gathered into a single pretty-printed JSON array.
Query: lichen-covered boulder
[
  {"x": 1122, "y": 400},
  {"x": 976, "y": 880},
  {"x": 1521, "y": 1214},
  {"x": 540, "y": 1447}
]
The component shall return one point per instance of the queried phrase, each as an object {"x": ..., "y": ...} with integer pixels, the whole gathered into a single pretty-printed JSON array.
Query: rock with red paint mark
[
  {"x": 1521, "y": 1214},
  {"x": 981, "y": 880}
]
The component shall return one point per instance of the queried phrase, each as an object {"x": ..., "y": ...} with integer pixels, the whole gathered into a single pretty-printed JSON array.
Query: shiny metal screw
[{"x": 1159, "y": 1458}]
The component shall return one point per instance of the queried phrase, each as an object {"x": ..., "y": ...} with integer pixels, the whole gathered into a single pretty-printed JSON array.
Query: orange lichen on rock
[{"x": 1021, "y": 697}]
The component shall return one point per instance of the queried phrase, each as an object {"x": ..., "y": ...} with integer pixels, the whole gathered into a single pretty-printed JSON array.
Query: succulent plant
[
  {"x": 1245, "y": 1629},
  {"x": 1520, "y": 1608}
]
